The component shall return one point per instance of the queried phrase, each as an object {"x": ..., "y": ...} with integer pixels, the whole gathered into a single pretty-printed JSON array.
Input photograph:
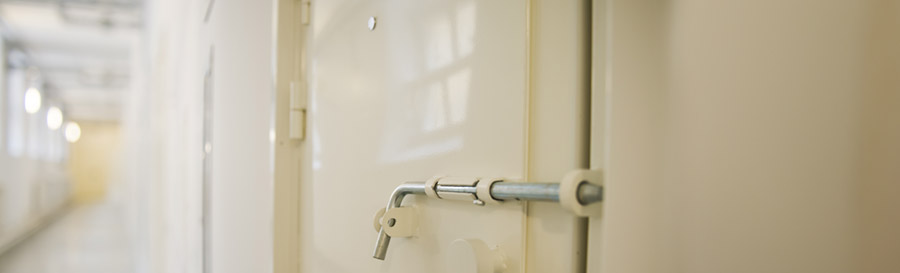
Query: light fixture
[
  {"x": 54, "y": 118},
  {"x": 32, "y": 100},
  {"x": 73, "y": 132}
]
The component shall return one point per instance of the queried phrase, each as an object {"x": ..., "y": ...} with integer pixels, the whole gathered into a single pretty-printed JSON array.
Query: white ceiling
[{"x": 82, "y": 48}]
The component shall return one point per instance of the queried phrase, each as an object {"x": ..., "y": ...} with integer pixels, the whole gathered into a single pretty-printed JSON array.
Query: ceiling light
[
  {"x": 32, "y": 100},
  {"x": 73, "y": 132},
  {"x": 54, "y": 118}
]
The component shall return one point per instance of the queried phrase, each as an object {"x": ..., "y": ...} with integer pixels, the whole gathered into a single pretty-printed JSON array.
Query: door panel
[{"x": 438, "y": 87}]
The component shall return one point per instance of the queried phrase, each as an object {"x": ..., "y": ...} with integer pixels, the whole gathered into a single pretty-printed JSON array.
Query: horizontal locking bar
[
  {"x": 549, "y": 192},
  {"x": 527, "y": 191},
  {"x": 587, "y": 193}
]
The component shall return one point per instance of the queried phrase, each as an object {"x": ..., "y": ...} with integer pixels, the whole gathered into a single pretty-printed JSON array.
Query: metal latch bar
[{"x": 584, "y": 193}]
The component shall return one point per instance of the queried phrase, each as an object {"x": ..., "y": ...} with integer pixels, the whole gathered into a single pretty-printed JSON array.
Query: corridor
[
  {"x": 449, "y": 136},
  {"x": 85, "y": 239}
]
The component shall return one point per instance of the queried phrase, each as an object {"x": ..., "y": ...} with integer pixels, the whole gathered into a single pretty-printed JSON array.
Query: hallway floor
[{"x": 89, "y": 238}]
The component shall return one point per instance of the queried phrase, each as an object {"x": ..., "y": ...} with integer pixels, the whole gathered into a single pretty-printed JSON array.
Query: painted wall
[
  {"x": 751, "y": 136},
  {"x": 33, "y": 178},
  {"x": 242, "y": 167},
  {"x": 162, "y": 136},
  {"x": 165, "y": 151},
  {"x": 93, "y": 161}
]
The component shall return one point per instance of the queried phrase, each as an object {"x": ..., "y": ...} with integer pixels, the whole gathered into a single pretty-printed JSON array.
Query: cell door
[{"x": 408, "y": 90}]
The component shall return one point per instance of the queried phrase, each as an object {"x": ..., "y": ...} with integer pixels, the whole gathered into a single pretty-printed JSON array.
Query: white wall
[
  {"x": 162, "y": 136},
  {"x": 242, "y": 35},
  {"x": 33, "y": 178},
  {"x": 164, "y": 129}
]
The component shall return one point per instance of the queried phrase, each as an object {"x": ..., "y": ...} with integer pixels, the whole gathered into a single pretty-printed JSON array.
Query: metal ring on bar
[
  {"x": 483, "y": 190},
  {"x": 431, "y": 186},
  {"x": 569, "y": 192}
]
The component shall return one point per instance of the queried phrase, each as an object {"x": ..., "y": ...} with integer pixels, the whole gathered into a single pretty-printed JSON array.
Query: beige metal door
[{"x": 405, "y": 90}]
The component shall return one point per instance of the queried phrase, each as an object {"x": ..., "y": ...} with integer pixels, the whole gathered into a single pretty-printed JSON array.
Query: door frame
[{"x": 290, "y": 42}]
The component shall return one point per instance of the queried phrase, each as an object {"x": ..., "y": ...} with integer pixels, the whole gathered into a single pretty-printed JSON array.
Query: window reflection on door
[{"x": 434, "y": 94}]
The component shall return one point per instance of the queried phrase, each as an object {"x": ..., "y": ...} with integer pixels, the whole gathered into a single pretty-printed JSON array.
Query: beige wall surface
[
  {"x": 750, "y": 136},
  {"x": 878, "y": 188},
  {"x": 93, "y": 159}
]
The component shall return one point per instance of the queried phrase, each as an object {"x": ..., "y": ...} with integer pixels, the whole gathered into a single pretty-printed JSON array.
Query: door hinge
[{"x": 297, "y": 112}]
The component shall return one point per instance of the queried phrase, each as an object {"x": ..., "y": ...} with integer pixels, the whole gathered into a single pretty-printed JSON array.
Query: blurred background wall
[
  {"x": 94, "y": 161},
  {"x": 196, "y": 133}
]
